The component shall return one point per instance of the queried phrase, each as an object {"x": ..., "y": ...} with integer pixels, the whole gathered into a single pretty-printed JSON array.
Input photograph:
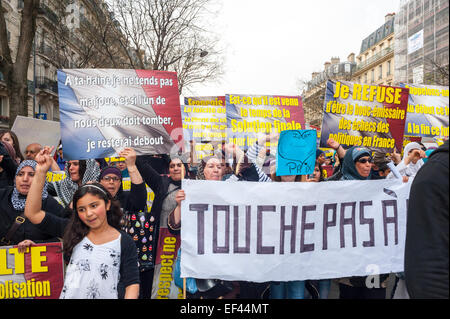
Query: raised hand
[
  {"x": 396, "y": 157},
  {"x": 44, "y": 159},
  {"x": 333, "y": 144},
  {"x": 413, "y": 156},
  {"x": 130, "y": 156}
]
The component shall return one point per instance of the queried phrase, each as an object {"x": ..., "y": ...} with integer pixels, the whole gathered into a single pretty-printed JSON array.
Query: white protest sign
[
  {"x": 292, "y": 231},
  {"x": 30, "y": 130}
]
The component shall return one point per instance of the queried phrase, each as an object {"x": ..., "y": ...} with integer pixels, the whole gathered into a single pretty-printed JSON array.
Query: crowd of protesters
[{"x": 88, "y": 208}]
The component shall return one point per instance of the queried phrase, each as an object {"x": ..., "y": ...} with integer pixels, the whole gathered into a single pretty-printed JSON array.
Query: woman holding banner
[
  {"x": 357, "y": 165},
  {"x": 15, "y": 229},
  {"x": 212, "y": 168},
  {"x": 164, "y": 188}
]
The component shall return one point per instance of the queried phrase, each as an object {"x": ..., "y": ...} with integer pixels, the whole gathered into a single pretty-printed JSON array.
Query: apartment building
[
  {"x": 315, "y": 88},
  {"x": 69, "y": 34},
  {"x": 375, "y": 61},
  {"x": 422, "y": 42}
]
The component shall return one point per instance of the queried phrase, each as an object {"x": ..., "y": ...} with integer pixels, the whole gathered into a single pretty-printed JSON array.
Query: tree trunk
[
  {"x": 18, "y": 98},
  {"x": 15, "y": 72}
]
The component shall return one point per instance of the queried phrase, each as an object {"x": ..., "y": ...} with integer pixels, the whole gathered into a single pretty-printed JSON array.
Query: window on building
[
  {"x": 380, "y": 71},
  {"x": 372, "y": 78},
  {"x": 365, "y": 78},
  {"x": 388, "y": 71}
]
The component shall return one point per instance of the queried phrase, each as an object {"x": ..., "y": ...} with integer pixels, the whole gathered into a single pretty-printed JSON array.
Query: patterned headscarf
[
  {"x": 18, "y": 200},
  {"x": 66, "y": 187}
]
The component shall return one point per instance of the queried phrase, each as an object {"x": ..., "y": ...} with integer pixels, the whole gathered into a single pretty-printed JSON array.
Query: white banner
[
  {"x": 415, "y": 42},
  {"x": 292, "y": 231}
]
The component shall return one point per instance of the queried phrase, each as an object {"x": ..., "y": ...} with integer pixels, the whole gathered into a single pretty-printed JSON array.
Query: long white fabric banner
[{"x": 292, "y": 231}]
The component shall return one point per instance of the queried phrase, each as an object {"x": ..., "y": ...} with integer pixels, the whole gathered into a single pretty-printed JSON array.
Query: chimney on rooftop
[{"x": 389, "y": 16}]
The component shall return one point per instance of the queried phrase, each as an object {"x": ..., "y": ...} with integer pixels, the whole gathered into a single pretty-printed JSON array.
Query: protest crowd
[{"x": 110, "y": 236}]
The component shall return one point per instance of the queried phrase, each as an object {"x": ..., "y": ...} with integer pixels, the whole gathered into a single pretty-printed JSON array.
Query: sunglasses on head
[{"x": 364, "y": 160}]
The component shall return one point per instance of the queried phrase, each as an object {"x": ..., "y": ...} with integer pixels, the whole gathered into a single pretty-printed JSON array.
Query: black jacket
[
  {"x": 426, "y": 249},
  {"x": 134, "y": 200},
  {"x": 159, "y": 184},
  {"x": 9, "y": 167},
  {"x": 27, "y": 230}
]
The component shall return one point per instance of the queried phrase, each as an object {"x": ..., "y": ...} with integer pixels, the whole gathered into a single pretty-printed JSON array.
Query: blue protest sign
[{"x": 296, "y": 152}]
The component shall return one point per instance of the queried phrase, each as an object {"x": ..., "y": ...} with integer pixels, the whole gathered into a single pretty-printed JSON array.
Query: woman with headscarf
[
  {"x": 411, "y": 162},
  {"x": 212, "y": 168},
  {"x": 78, "y": 172},
  {"x": 135, "y": 199},
  {"x": 357, "y": 165},
  {"x": 14, "y": 227},
  {"x": 164, "y": 188}
]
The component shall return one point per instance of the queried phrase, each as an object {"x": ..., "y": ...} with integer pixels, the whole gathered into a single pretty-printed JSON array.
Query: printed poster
[
  {"x": 428, "y": 111},
  {"x": 36, "y": 274},
  {"x": 364, "y": 115},
  {"x": 251, "y": 115},
  {"x": 102, "y": 111},
  {"x": 204, "y": 124}
]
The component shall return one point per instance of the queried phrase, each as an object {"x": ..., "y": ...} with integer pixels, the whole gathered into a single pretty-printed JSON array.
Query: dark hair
[
  {"x": 81, "y": 168},
  {"x": 76, "y": 230},
  {"x": 317, "y": 164},
  {"x": 16, "y": 143},
  {"x": 276, "y": 178}
]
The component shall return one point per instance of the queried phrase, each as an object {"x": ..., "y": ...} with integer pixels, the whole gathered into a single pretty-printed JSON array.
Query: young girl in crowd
[{"x": 103, "y": 259}]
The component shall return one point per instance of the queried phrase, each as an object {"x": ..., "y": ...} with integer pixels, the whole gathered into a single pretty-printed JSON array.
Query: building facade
[
  {"x": 314, "y": 92},
  {"x": 69, "y": 34},
  {"x": 422, "y": 42},
  {"x": 375, "y": 62}
]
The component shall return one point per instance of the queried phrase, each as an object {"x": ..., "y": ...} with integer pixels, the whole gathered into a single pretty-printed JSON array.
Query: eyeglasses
[
  {"x": 111, "y": 178},
  {"x": 364, "y": 160}
]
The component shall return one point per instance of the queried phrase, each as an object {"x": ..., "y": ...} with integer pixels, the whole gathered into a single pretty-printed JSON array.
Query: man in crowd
[{"x": 32, "y": 150}]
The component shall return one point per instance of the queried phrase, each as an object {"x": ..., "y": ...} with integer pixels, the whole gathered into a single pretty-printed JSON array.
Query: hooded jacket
[{"x": 426, "y": 247}]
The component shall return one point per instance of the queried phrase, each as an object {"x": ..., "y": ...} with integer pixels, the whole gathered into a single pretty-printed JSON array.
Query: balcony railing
[
  {"x": 45, "y": 83},
  {"x": 49, "y": 13},
  {"x": 374, "y": 58}
]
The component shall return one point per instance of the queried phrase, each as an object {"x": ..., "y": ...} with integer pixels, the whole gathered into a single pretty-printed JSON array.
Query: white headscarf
[{"x": 411, "y": 169}]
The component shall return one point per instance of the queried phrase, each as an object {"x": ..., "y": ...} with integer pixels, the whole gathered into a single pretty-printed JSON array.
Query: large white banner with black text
[{"x": 292, "y": 231}]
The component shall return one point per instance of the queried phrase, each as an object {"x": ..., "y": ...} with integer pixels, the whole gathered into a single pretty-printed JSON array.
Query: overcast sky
[{"x": 269, "y": 45}]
